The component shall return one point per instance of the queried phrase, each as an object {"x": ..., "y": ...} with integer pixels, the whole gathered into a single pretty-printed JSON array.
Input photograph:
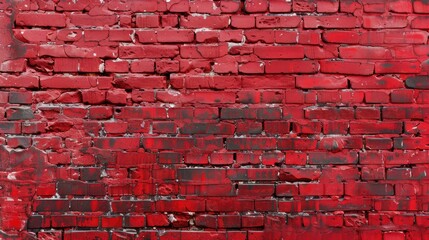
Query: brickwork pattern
[{"x": 214, "y": 119}]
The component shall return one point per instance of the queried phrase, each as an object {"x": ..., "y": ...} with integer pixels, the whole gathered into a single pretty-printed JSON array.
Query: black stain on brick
[
  {"x": 35, "y": 221},
  {"x": 90, "y": 205},
  {"x": 17, "y": 97},
  {"x": 32, "y": 159},
  {"x": 194, "y": 128},
  {"x": 71, "y": 188},
  {"x": 23, "y": 142},
  {"x": 233, "y": 144},
  {"x": 387, "y": 65},
  {"x": 12, "y": 48},
  {"x": 240, "y": 174},
  {"x": 20, "y": 114},
  {"x": 9, "y": 127},
  {"x": 200, "y": 175},
  {"x": 112, "y": 142},
  {"x": 248, "y": 98},
  {"x": 268, "y": 113},
  {"x": 90, "y": 174},
  {"x": 138, "y": 206},
  {"x": 381, "y": 82},
  {"x": 289, "y": 177},
  {"x": 230, "y": 113},
  {"x": 426, "y": 2},
  {"x": 417, "y": 82},
  {"x": 51, "y": 205}
]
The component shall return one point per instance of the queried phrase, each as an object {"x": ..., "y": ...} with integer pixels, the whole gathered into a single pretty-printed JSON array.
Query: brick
[
  {"x": 329, "y": 113},
  {"x": 276, "y": 127},
  {"x": 241, "y": 21},
  {"x": 136, "y": 206},
  {"x": 309, "y": 38},
  {"x": 121, "y": 35},
  {"x": 147, "y": 51},
  {"x": 41, "y": 19},
  {"x": 58, "y": 205},
  {"x": 157, "y": 220},
  {"x": 420, "y": 6},
  {"x": 286, "y": 190},
  {"x": 255, "y": 190},
  {"x": 214, "y": 22},
  {"x": 375, "y": 127},
  {"x": 369, "y": 189},
  {"x": 19, "y": 113},
  {"x": 73, "y": 234},
  {"x": 420, "y": 22},
  {"x": 285, "y": 36},
  {"x": 384, "y": 22},
  {"x": 100, "y": 112},
  {"x": 88, "y": 20},
  {"x": 117, "y": 143},
  {"x": 10, "y": 127},
  {"x": 250, "y": 143},
  {"x": 131, "y": 81},
  {"x": 168, "y": 143},
  {"x": 316, "y": 52},
  {"x": 307, "y": 127},
  {"x": 63, "y": 221},
  {"x": 327, "y": 6},
  {"x": 61, "y": 82},
  {"x": 147, "y": 21},
  {"x": 277, "y": 21},
  {"x": 398, "y": 67},
  {"x": 346, "y": 37},
  {"x": 268, "y": 81},
  {"x": 321, "y": 82},
  {"x": 207, "y": 128},
  {"x": 341, "y": 158},
  {"x": 330, "y": 22},
  {"x": 206, "y": 221},
  {"x": 410, "y": 37},
  {"x": 347, "y": 67},
  {"x": 24, "y": 81},
  {"x": 296, "y": 144},
  {"x": 229, "y": 221},
  {"x": 361, "y": 52},
  {"x": 278, "y": 52},
  {"x": 375, "y": 82},
  {"x": 135, "y": 158},
  {"x": 254, "y": 6},
  {"x": 254, "y": 36},
  {"x": 417, "y": 82},
  {"x": 208, "y": 36},
  {"x": 146, "y": 36},
  {"x": 175, "y": 36},
  {"x": 291, "y": 66},
  {"x": 203, "y": 51},
  {"x": 141, "y": 112},
  {"x": 134, "y": 221},
  {"x": 252, "y": 220},
  {"x": 90, "y": 205}
]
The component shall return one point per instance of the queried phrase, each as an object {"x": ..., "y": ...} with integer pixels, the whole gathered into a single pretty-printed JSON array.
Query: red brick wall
[{"x": 214, "y": 119}]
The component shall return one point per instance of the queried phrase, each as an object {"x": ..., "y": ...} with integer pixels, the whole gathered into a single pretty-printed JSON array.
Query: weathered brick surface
[{"x": 214, "y": 119}]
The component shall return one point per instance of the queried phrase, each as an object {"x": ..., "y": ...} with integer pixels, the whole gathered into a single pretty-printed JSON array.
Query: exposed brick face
[{"x": 214, "y": 119}]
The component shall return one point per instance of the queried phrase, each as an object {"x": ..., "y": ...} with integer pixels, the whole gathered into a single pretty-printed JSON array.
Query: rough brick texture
[{"x": 214, "y": 119}]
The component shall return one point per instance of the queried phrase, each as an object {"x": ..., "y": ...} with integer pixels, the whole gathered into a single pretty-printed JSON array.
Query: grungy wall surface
[{"x": 214, "y": 119}]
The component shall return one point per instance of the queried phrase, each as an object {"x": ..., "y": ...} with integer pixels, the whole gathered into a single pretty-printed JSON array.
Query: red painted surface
[{"x": 214, "y": 119}]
